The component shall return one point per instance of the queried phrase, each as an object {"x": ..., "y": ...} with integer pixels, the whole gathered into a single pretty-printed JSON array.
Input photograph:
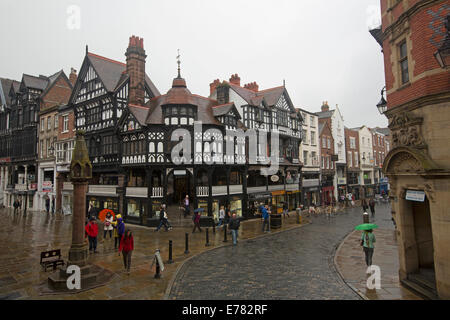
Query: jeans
[
  {"x": 92, "y": 243},
  {"x": 372, "y": 210},
  {"x": 266, "y": 222},
  {"x": 220, "y": 222},
  {"x": 104, "y": 234},
  {"x": 369, "y": 253},
  {"x": 163, "y": 222},
  {"x": 117, "y": 241},
  {"x": 197, "y": 225},
  {"x": 127, "y": 259},
  {"x": 234, "y": 234}
]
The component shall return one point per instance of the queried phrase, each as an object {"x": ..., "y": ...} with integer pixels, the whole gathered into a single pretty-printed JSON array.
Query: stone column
[{"x": 59, "y": 187}]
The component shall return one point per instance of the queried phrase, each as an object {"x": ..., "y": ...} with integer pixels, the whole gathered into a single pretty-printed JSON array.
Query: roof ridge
[
  {"x": 138, "y": 106},
  {"x": 221, "y": 105},
  {"x": 270, "y": 89},
  {"x": 105, "y": 58},
  {"x": 199, "y": 96}
]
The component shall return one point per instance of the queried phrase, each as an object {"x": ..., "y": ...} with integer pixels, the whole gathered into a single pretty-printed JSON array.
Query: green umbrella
[{"x": 366, "y": 226}]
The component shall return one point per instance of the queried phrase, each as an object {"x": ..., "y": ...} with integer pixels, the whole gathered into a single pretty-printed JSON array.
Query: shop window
[
  {"x": 203, "y": 204},
  {"x": 133, "y": 208},
  {"x": 236, "y": 207}
]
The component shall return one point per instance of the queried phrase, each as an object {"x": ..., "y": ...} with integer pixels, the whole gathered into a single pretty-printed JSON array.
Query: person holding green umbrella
[{"x": 367, "y": 240}]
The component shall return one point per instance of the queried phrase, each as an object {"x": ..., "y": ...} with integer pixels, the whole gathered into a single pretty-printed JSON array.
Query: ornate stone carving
[
  {"x": 429, "y": 191},
  {"x": 406, "y": 131},
  {"x": 404, "y": 163}
]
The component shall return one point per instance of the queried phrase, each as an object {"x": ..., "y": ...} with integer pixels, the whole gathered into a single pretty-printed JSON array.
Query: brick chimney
[
  {"x": 136, "y": 70},
  {"x": 213, "y": 85},
  {"x": 235, "y": 79},
  {"x": 252, "y": 86},
  {"x": 73, "y": 76},
  {"x": 325, "y": 106}
]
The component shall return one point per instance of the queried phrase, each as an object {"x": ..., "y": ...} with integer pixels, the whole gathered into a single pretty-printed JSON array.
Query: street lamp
[
  {"x": 442, "y": 55},
  {"x": 382, "y": 105}
]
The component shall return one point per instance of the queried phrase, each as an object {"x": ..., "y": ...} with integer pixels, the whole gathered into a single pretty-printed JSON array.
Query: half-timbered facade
[
  {"x": 101, "y": 94},
  {"x": 267, "y": 111},
  {"x": 20, "y": 137}
]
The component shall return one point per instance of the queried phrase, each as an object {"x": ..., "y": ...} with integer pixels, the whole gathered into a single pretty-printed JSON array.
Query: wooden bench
[{"x": 51, "y": 258}]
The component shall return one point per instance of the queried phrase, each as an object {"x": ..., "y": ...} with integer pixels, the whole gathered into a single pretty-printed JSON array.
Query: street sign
[{"x": 415, "y": 195}]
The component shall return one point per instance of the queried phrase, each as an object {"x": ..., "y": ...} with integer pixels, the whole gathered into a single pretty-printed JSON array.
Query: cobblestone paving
[{"x": 295, "y": 264}]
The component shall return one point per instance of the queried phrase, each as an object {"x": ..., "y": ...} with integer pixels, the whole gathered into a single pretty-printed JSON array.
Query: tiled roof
[
  {"x": 139, "y": 112},
  {"x": 6, "y": 87},
  {"x": 179, "y": 94},
  {"x": 270, "y": 96},
  {"x": 35, "y": 82},
  {"x": 222, "y": 109},
  {"x": 112, "y": 72},
  {"x": 325, "y": 114}
]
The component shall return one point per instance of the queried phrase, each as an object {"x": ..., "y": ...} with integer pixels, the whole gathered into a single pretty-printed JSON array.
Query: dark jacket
[
  {"x": 234, "y": 224},
  {"x": 120, "y": 227}
]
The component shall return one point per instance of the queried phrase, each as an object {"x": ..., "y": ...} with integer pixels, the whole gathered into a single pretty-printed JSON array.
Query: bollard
[
  {"x": 225, "y": 233},
  {"x": 158, "y": 271},
  {"x": 170, "y": 253},
  {"x": 299, "y": 217},
  {"x": 214, "y": 227},
  {"x": 207, "y": 244},
  {"x": 187, "y": 244}
]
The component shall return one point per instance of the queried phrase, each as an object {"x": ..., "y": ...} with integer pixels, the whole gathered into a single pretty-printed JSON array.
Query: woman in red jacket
[
  {"x": 92, "y": 232},
  {"x": 127, "y": 246}
]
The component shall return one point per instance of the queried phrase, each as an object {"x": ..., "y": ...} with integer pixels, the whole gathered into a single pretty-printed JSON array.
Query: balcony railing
[
  {"x": 256, "y": 189},
  {"x": 234, "y": 189},
  {"x": 276, "y": 187},
  {"x": 157, "y": 192},
  {"x": 292, "y": 187},
  {"x": 139, "y": 192},
  {"x": 202, "y": 191}
]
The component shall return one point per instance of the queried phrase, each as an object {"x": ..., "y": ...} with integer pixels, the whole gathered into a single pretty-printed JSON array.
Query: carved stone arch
[{"x": 407, "y": 160}]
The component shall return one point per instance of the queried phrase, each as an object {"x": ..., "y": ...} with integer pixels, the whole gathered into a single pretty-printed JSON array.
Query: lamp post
[
  {"x": 442, "y": 54},
  {"x": 382, "y": 105}
]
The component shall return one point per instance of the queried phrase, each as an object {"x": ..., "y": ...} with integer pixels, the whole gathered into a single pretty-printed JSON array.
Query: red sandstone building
[
  {"x": 418, "y": 166},
  {"x": 352, "y": 149},
  {"x": 326, "y": 142}
]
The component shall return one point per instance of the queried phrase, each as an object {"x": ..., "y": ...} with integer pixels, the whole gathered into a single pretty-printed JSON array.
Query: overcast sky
[{"x": 322, "y": 49}]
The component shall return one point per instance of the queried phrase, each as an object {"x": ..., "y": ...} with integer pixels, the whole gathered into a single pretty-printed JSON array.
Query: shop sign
[
  {"x": 47, "y": 186},
  {"x": 415, "y": 195},
  {"x": 274, "y": 178},
  {"x": 33, "y": 186},
  {"x": 342, "y": 180},
  {"x": 260, "y": 195},
  {"x": 179, "y": 172},
  {"x": 278, "y": 193},
  {"x": 5, "y": 160}
]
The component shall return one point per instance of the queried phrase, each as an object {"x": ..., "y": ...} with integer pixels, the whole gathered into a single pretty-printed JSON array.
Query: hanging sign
[
  {"x": 274, "y": 178},
  {"x": 415, "y": 195}
]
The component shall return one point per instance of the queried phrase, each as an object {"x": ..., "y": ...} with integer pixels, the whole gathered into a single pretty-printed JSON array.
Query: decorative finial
[
  {"x": 284, "y": 83},
  {"x": 87, "y": 49},
  {"x": 178, "y": 61}
]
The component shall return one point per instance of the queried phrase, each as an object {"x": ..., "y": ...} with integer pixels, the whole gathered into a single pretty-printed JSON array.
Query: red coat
[
  {"x": 126, "y": 245},
  {"x": 91, "y": 229}
]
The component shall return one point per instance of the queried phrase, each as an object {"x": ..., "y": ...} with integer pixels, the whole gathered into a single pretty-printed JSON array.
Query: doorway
[{"x": 423, "y": 234}]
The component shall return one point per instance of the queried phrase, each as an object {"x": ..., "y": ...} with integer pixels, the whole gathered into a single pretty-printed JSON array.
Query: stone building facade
[{"x": 418, "y": 166}]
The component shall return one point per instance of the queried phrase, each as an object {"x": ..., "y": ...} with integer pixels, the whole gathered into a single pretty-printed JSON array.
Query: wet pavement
[
  {"x": 24, "y": 237},
  {"x": 295, "y": 264}
]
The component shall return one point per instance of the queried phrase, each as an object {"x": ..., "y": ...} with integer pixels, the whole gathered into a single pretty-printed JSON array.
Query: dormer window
[{"x": 179, "y": 115}]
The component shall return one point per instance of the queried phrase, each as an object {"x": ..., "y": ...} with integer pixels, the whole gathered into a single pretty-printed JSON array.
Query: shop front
[
  {"x": 256, "y": 200},
  {"x": 311, "y": 196},
  {"x": 136, "y": 202},
  {"x": 327, "y": 195},
  {"x": 293, "y": 199},
  {"x": 278, "y": 199}
]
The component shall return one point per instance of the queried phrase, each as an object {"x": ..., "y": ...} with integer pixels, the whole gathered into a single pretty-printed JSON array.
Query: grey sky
[{"x": 322, "y": 49}]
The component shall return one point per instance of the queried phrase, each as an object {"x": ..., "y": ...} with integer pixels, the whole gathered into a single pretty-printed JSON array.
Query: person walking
[
  {"x": 221, "y": 216},
  {"x": 186, "y": 206},
  {"x": 364, "y": 205},
  {"x": 372, "y": 207},
  {"x": 16, "y": 206},
  {"x": 92, "y": 232},
  {"x": 227, "y": 214},
  {"x": 285, "y": 210},
  {"x": 127, "y": 247},
  {"x": 266, "y": 218},
  {"x": 235, "y": 223},
  {"x": 163, "y": 219},
  {"x": 119, "y": 230},
  {"x": 116, "y": 235},
  {"x": 108, "y": 226},
  {"x": 47, "y": 204},
  {"x": 196, "y": 220},
  {"x": 367, "y": 241},
  {"x": 53, "y": 205}
]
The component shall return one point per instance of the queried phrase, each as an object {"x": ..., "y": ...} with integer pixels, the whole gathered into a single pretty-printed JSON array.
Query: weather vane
[{"x": 178, "y": 61}]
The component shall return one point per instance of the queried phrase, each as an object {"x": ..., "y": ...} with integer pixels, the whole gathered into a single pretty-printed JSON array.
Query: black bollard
[
  {"x": 207, "y": 244},
  {"x": 214, "y": 227},
  {"x": 170, "y": 253},
  {"x": 225, "y": 233},
  {"x": 187, "y": 244}
]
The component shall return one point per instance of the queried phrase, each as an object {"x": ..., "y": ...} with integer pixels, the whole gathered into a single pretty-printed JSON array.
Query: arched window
[
  {"x": 206, "y": 150},
  {"x": 151, "y": 147},
  {"x": 198, "y": 147},
  {"x": 160, "y": 147}
]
